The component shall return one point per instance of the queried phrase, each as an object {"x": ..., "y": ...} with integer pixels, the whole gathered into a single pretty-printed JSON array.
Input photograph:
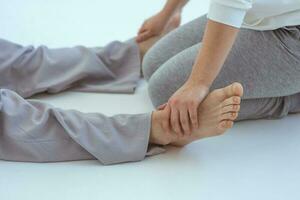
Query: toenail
[{"x": 233, "y": 114}]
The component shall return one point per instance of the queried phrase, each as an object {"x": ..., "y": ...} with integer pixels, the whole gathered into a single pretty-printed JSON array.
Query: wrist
[
  {"x": 168, "y": 12},
  {"x": 198, "y": 82},
  {"x": 164, "y": 16}
]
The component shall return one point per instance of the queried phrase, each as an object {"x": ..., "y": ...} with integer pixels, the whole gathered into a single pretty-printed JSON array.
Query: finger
[
  {"x": 193, "y": 114},
  {"x": 144, "y": 36},
  {"x": 142, "y": 29},
  {"x": 166, "y": 121},
  {"x": 140, "y": 33},
  {"x": 185, "y": 121},
  {"x": 175, "y": 121},
  {"x": 161, "y": 107}
]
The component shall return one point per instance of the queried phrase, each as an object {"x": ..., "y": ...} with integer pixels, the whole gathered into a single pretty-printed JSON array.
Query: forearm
[
  {"x": 216, "y": 45},
  {"x": 173, "y": 6}
]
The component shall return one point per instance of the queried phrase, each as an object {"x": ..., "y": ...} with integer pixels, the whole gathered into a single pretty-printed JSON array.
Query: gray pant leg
[
  {"x": 173, "y": 43},
  {"x": 266, "y": 108},
  {"x": 169, "y": 77},
  {"x": 251, "y": 62},
  {"x": 37, "y": 132},
  {"x": 265, "y": 62},
  {"x": 29, "y": 70}
]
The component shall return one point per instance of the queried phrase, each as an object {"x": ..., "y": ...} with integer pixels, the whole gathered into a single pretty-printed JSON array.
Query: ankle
[{"x": 157, "y": 134}]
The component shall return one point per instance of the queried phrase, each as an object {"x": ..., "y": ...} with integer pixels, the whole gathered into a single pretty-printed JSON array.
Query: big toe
[{"x": 234, "y": 89}]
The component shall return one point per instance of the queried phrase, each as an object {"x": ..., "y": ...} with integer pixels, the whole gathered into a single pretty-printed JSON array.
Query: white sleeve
[{"x": 230, "y": 12}]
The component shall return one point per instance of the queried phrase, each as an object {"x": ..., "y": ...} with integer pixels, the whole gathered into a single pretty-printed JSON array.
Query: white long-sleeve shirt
[{"x": 255, "y": 14}]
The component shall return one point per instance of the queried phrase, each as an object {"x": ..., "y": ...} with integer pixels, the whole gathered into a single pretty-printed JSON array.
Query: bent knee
[
  {"x": 160, "y": 88},
  {"x": 156, "y": 56},
  {"x": 149, "y": 64}
]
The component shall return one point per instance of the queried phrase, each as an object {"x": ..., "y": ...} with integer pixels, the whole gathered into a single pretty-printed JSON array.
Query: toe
[
  {"x": 224, "y": 125},
  {"x": 235, "y": 89},
  {"x": 229, "y": 124},
  {"x": 230, "y": 108},
  {"x": 229, "y": 116},
  {"x": 235, "y": 100}
]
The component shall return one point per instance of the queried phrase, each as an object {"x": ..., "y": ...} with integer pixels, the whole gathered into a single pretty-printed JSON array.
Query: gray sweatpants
[
  {"x": 267, "y": 63},
  {"x": 35, "y": 131}
]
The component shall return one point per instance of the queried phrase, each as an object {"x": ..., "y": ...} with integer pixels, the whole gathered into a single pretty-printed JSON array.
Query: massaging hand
[
  {"x": 183, "y": 108},
  {"x": 154, "y": 26}
]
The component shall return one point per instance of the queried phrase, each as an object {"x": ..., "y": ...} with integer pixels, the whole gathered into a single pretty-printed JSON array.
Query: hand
[
  {"x": 154, "y": 26},
  {"x": 183, "y": 106}
]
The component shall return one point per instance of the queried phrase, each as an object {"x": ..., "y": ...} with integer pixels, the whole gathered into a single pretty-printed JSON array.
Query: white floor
[{"x": 254, "y": 160}]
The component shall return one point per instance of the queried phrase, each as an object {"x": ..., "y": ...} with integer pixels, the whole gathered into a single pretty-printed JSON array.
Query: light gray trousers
[
  {"x": 267, "y": 63},
  {"x": 35, "y": 131}
]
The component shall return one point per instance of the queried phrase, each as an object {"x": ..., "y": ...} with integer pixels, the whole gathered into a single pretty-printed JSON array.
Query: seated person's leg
[
  {"x": 37, "y": 132},
  {"x": 173, "y": 43}
]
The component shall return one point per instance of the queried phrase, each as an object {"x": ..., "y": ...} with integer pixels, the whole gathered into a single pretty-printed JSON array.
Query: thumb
[{"x": 144, "y": 36}]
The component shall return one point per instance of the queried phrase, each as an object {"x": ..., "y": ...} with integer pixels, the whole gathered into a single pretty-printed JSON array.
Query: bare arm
[
  {"x": 216, "y": 45},
  {"x": 173, "y": 6},
  {"x": 225, "y": 19}
]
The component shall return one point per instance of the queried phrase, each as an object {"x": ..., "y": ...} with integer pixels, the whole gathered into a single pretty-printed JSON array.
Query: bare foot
[{"x": 216, "y": 115}]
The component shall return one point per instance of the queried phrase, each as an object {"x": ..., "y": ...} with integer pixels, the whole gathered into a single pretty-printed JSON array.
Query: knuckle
[
  {"x": 190, "y": 104},
  {"x": 174, "y": 102}
]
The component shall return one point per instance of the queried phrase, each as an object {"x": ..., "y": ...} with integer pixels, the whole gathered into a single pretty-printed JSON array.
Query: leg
[
  {"x": 262, "y": 73},
  {"x": 37, "y": 132},
  {"x": 253, "y": 60},
  {"x": 173, "y": 43},
  {"x": 29, "y": 70},
  {"x": 167, "y": 79}
]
